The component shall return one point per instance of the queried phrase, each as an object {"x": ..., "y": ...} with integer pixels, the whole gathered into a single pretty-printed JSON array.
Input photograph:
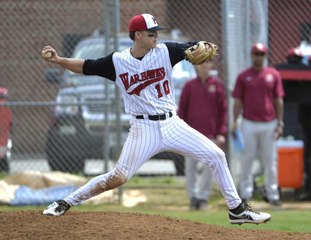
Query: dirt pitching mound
[{"x": 112, "y": 225}]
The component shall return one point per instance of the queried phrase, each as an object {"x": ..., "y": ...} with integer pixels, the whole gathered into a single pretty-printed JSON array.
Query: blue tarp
[{"x": 28, "y": 196}]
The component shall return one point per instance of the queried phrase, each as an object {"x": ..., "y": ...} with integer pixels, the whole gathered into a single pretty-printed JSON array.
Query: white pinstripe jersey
[{"x": 146, "y": 85}]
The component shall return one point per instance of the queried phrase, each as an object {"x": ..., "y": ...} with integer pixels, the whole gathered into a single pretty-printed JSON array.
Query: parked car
[
  {"x": 5, "y": 125},
  {"x": 77, "y": 130}
]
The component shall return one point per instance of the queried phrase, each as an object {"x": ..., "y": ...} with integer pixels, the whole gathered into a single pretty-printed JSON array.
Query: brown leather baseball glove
[{"x": 201, "y": 52}]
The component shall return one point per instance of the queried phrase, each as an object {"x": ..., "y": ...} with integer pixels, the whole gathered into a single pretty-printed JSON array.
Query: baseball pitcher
[{"x": 144, "y": 75}]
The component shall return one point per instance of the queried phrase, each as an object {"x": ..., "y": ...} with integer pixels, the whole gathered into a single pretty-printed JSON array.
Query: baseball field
[
  {"x": 116, "y": 225},
  {"x": 164, "y": 215}
]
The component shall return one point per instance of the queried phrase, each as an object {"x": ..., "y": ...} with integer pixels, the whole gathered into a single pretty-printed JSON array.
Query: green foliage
[{"x": 3, "y": 175}]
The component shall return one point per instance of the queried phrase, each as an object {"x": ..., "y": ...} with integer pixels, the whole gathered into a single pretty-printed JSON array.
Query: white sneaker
[
  {"x": 57, "y": 208},
  {"x": 244, "y": 214}
]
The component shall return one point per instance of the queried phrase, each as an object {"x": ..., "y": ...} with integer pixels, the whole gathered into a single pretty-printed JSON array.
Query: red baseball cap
[
  {"x": 144, "y": 22},
  {"x": 259, "y": 48},
  {"x": 294, "y": 52}
]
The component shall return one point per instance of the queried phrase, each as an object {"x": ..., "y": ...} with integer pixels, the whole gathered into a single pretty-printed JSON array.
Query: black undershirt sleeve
[
  {"x": 176, "y": 50},
  {"x": 102, "y": 67}
]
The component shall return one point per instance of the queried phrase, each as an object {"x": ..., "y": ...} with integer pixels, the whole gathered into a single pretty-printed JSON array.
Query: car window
[
  {"x": 89, "y": 52},
  {"x": 183, "y": 70},
  {"x": 94, "y": 51}
]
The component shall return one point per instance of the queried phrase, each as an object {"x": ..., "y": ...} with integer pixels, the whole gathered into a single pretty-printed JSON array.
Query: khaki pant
[
  {"x": 259, "y": 141},
  {"x": 198, "y": 179}
]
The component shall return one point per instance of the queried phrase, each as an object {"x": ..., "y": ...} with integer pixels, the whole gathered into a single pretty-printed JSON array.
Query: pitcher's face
[{"x": 149, "y": 39}]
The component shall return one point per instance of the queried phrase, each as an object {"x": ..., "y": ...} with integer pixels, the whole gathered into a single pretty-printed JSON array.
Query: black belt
[{"x": 156, "y": 117}]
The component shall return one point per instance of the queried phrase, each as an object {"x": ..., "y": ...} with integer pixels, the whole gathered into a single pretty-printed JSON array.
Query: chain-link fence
[{"x": 59, "y": 118}]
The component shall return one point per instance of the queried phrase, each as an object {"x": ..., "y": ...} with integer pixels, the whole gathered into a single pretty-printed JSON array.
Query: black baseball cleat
[
  {"x": 244, "y": 214},
  {"x": 194, "y": 204},
  {"x": 57, "y": 208}
]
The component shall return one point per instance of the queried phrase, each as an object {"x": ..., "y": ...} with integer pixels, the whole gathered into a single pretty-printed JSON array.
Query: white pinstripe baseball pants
[{"x": 147, "y": 138}]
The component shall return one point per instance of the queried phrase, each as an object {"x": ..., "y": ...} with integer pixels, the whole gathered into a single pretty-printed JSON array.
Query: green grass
[
  {"x": 282, "y": 220},
  {"x": 167, "y": 196},
  {"x": 293, "y": 221}
]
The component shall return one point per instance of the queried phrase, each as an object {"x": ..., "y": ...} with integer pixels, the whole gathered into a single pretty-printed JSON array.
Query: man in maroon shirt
[
  {"x": 259, "y": 93},
  {"x": 203, "y": 106}
]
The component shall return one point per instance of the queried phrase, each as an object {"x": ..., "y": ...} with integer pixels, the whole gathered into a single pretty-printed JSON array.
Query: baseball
[{"x": 46, "y": 54}]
